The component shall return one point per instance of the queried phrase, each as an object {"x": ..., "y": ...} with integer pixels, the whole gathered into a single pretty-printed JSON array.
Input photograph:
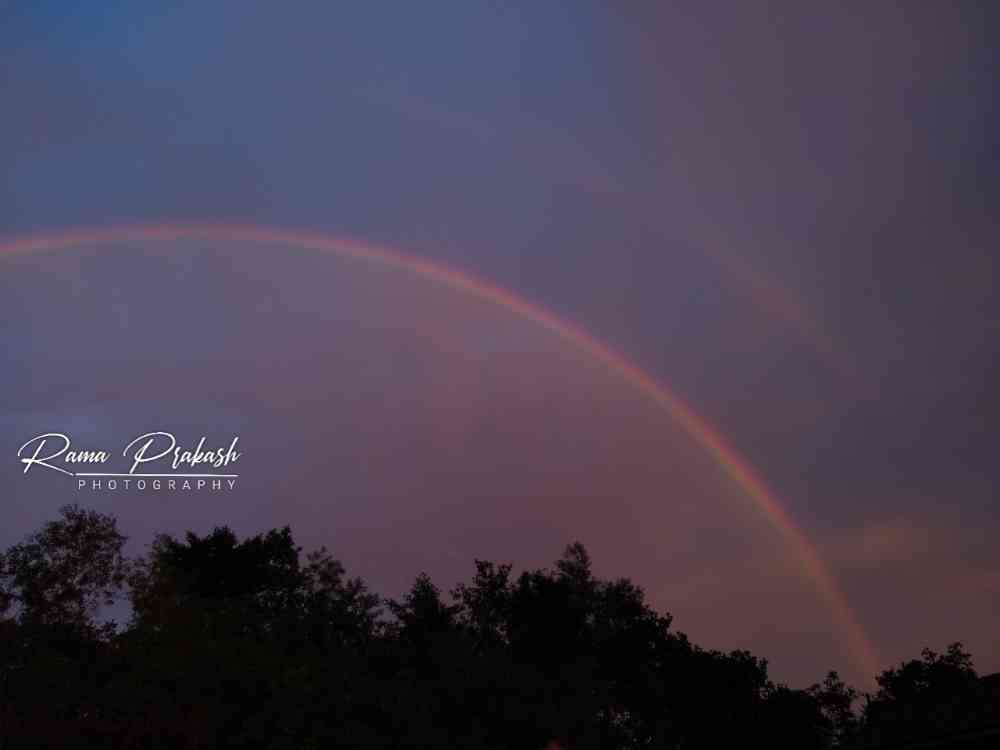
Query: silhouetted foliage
[
  {"x": 936, "y": 696},
  {"x": 251, "y": 644},
  {"x": 64, "y": 572}
]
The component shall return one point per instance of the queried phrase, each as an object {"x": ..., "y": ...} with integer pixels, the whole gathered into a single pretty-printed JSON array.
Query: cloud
[{"x": 922, "y": 580}]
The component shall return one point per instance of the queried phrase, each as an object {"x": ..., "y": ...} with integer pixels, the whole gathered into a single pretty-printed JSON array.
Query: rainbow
[{"x": 701, "y": 431}]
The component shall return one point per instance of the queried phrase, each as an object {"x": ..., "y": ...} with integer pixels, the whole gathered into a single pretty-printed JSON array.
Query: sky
[{"x": 783, "y": 213}]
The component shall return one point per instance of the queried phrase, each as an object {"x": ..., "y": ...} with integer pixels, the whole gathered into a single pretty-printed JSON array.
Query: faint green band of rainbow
[{"x": 727, "y": 457}]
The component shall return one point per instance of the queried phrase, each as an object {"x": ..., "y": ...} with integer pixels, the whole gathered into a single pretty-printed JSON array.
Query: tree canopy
[{"x": 252, "y": 644}]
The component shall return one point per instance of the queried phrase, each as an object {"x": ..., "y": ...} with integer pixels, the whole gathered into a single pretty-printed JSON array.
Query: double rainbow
[{"x": 700, "y": 430}]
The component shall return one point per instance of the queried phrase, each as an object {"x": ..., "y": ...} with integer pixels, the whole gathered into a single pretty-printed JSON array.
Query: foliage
[
  {"x": 251, "y": 644},
  {"x": 930, "y": 697}
]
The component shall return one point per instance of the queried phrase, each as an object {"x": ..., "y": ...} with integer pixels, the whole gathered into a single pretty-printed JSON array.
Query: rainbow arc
[{"x": 724, "y": 454}]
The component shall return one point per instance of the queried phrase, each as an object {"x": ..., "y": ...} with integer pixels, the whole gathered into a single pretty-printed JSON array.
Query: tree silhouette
[
  {"x": 252, "y": 644},
  {"x": 934, "y": 696},
  {"x": 63, "y": 573}
]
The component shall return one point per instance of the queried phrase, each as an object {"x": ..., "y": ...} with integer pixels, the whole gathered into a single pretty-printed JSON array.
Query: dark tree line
[{"x": 251, "y": 644}]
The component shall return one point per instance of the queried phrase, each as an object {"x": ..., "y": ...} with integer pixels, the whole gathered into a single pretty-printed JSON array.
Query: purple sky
[{"x": 784, "y": 213}]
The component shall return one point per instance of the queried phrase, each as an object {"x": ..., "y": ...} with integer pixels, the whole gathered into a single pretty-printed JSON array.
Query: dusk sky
[{"x": 779, "y": 216}]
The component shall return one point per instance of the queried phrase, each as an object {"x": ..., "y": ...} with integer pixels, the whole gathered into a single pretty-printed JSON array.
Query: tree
[
  {"x": 936, "y": 695},
  {"x": 65, "y": 572},
  {"x": 250, "y": 644},
  {"x": 835, "y": 701},
  {"x": 265, "y": 639},
  {"x": 53, "y": 653}
]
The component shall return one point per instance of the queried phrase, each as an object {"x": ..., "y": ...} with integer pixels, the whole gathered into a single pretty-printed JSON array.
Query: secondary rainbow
[{"x": 700, "y": 430}]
